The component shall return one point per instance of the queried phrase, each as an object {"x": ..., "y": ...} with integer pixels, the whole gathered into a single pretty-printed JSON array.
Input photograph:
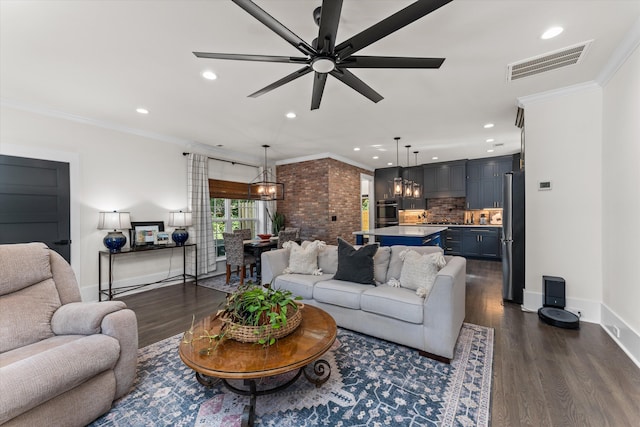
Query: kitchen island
[{"x": 410, "y": 235}]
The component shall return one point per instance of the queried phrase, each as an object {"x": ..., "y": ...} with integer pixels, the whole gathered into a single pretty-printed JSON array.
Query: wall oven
[{"x": 387, "y": 213}]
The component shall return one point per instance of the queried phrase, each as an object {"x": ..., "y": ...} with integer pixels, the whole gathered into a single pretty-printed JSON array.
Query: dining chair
[
  {"x": 285, "y": 236},
  {"x": 296, "y": 229},
  {"x": 244, "y": 232},
  {"x": 236, "y": 257}
]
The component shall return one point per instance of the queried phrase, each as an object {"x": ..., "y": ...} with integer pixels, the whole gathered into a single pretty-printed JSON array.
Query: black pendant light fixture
[
  {"x": 264, "y": 186},
  {"x": 417, "y": 188},
  {"x": 398, "y": 188},
  {"x": 408, "y": 184}
]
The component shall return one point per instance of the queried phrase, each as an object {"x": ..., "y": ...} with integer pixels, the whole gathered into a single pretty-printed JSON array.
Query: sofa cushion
[
  {"x": 54, "y": 371},
  {"x": 397, "y": 303},
  {"x": 23, "y": 265},
  {"x": 340, "y": 293},
  {"x": 381, "y": 264},
  {"x": 419, "y": 271},
  {"x": 25, "y": 315},
  {"x": 299, "y": 284},
  {"x": 355, "y": 265},
  {"x": 395, "y": 262}
]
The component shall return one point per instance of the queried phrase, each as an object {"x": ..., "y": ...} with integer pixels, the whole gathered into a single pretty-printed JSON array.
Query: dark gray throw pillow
[{"x": 355, "y": 265}]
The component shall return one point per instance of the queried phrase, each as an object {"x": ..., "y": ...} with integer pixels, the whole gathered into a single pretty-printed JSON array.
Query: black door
[{"x": 34, "y": 203}]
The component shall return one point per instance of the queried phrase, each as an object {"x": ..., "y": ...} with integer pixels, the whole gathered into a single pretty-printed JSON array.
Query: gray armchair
[{"x": 62, "y": 361}]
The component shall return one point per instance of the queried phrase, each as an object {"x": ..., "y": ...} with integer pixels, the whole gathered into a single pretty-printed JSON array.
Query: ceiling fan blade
[
  {"x": 390, "y": 62},
  {"x": 299, "y": 73},
  {"x": 329, "y": 19},
  {"x": 275, "y": 26},
  {"x": 393, "y": 23},
  {"x": 261, "y": 58},
  {"x": 319, "y": 81},
  {"x": 348, "y": 78}
]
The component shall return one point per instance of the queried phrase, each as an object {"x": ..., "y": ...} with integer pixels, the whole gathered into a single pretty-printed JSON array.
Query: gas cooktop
[{"x": 443, "y": 223}]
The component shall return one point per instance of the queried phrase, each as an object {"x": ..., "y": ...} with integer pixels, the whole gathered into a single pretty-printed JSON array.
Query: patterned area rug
[
  {"x": 218, "y": 282},
  {"x": 372, "y": 383}
]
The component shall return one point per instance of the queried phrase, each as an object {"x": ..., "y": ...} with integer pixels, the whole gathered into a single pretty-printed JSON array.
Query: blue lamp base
[
  {"x": 114, "y": 241},
  {"x": 179, "y": 236}
]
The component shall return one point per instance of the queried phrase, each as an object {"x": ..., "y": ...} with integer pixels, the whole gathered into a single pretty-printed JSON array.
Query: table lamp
[
  {"x": 180, "y": 220},
  {"x": 114, "y": 240}
]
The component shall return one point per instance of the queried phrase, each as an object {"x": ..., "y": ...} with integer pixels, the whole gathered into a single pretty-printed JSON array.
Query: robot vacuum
[{"x": 559, "y": 317}]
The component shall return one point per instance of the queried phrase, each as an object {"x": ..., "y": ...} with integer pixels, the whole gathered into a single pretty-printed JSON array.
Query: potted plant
[{"x": 277, "y": 222}]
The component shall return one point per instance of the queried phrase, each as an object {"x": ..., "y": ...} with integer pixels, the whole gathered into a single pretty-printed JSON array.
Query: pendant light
[
  {"x": 398, "y": 188},
  {"x": 408, "y": 184},
  {"x": 264, "y": 186},
  {"x": 416, "y": 186}
]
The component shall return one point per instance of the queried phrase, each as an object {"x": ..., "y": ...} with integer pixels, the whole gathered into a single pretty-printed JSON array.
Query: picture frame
[
  {"x": 162, "y": 238},
  {"x": 144, "y": 233}
]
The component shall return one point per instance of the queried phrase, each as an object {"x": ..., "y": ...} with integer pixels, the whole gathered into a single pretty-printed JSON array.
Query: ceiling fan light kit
[{"x": 324, "y": 57}]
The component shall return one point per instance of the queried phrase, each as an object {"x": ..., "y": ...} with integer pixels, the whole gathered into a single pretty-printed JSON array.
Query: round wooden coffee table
[{"x": 229, "y": 359}]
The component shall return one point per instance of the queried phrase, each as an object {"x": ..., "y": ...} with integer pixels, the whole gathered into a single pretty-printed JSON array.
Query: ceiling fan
[{"x": 324, "y": 57}]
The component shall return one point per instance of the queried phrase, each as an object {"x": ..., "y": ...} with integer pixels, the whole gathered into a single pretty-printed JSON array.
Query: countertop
[
  {"x": 417, "y": 230},
  {"x": 449, "y": 225}
]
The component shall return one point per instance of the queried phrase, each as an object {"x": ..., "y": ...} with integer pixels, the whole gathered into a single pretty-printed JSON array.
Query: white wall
[
  {"x": 109, "y": 170},
  {"x": 564, "y": 225},
  {"x": 621, "y": 203}
]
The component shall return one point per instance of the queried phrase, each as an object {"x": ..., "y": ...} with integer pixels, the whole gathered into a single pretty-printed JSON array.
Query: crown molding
[
  {"x": 620, "y": 55},
  {"x": 550, "y": 94},
  {"x": 324, "y": 156}
]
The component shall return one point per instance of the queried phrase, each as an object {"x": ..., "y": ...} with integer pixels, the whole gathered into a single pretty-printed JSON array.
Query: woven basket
[{"x": 244, "y": 333}]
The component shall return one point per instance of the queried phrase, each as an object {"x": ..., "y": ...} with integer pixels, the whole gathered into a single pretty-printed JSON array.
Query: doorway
[{"x": 35, "y": 203}]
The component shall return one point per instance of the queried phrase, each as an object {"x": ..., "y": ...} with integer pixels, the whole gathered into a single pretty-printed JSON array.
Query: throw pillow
[
  {"x": 355, "y": 265},
  {"x": 303, "y": 260},
  {"x": 381, "y": 264},
  {"x": 419, "y": 271}
]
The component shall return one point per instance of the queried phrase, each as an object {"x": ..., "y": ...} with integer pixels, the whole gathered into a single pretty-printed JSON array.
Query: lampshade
[
  {"x": 114, "y": 221},
  {"x": 180, "y": 219},
  {"x": 265, "y": 186}
]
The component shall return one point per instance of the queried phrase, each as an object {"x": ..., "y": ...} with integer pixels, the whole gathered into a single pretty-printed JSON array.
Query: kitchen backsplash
[{"x": 450, "y": 209}]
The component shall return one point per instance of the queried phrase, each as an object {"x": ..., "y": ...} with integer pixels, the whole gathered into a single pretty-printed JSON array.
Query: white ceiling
[{"x": 100, "y": 60}]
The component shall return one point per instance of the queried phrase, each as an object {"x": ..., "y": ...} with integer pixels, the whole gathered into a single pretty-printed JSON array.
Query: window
[{"x": 232, "y": 214}]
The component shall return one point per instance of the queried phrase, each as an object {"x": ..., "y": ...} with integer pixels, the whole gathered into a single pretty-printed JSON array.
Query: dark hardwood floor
[{"x": 542, "y": 375}]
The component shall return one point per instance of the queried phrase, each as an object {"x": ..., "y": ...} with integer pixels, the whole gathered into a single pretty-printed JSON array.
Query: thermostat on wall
[{"x": 544, "y": 185}]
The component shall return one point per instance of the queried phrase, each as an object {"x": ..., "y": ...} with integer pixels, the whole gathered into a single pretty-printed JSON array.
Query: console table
[{"x": 110, "y": 292}]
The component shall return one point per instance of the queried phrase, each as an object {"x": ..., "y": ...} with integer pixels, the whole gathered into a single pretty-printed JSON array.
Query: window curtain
[{"x": 200, "y": 206}]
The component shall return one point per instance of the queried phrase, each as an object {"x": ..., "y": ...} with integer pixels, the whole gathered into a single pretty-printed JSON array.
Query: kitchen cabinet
[
  {"x": 481, "y": 242},
  {"x": 415, "y": 174},
  {"x": 383, "y": 182},
  {"x": 446, "y": 179},
  {"x": 452, "y": 241},
  {"x": 485, "y": 182}
]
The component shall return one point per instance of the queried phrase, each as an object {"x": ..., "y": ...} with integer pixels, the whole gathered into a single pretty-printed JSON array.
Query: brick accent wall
[{"x": 315, "y": 191}]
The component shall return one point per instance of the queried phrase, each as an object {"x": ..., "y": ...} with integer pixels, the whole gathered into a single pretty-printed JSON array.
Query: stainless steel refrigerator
[{"x": 513, "y": 237}]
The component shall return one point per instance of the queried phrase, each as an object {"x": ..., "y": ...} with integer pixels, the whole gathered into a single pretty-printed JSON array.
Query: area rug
[
  {"x": 372, "y": 383},
  {"x": 219, "y": 282}
]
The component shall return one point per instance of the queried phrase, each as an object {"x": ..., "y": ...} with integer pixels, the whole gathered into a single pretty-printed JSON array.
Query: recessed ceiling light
[
  {"x": 375, "y": 157},
  {"x": 551, "y": 33},
  {"x": 490, "y": 139},
  {"x": 390, "y": 164},
  {"x": 356, "y": 149},
  {"x": 377, "y": 145},
  {"x": 434, "y": 158},
  {"x": 209, "y": 75},
  {"x": 382, "y": 149},
  {"x": 488, "y": 126},
  {"x": 291, "y": 115},
  {"x": 490, "y": 150},
  {"x": 142, "y": 110}
]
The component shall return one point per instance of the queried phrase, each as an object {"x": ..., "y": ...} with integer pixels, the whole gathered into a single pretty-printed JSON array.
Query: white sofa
[{"x": 396, "y": 314}]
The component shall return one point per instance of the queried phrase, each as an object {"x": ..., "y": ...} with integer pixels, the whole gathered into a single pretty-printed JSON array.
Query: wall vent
[{"x": 549, "y": 61}]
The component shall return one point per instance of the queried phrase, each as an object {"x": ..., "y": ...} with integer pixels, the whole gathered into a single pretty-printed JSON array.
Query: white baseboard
[
  {"x": 625, "y": 337},
  {"x": 587, "y": 310}
]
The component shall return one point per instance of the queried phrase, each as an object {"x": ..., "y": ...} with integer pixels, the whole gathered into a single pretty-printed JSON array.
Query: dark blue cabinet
[
  {"x": 383, "y": 182},
  {"x": 484, "y": 181},
  {"x": 481, "y": 242},
  {"x": 446, "y": 179}
]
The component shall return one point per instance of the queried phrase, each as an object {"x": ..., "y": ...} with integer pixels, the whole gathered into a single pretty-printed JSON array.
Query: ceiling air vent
[{"x": 549, "y": 61}]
